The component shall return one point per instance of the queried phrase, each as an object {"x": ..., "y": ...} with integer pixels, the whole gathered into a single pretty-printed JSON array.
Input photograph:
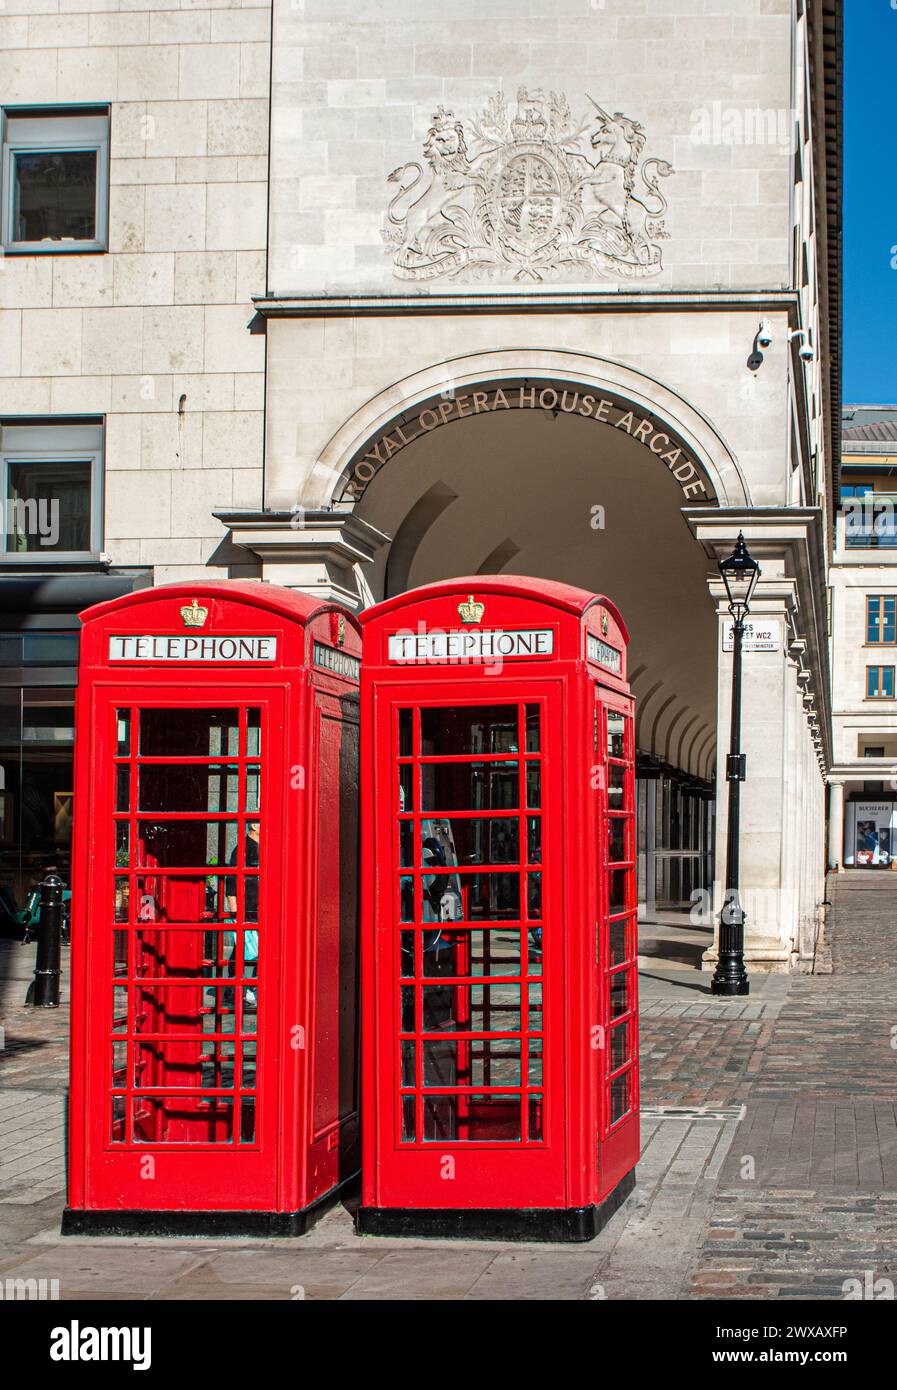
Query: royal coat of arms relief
[{"x": 536, "y": 192}]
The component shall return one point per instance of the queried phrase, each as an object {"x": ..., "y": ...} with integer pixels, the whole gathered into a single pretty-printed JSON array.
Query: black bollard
[{"x": 45, "y": 993}]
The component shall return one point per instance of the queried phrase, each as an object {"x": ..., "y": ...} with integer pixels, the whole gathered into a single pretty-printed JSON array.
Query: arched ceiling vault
[{"x": 559, "y": 497}]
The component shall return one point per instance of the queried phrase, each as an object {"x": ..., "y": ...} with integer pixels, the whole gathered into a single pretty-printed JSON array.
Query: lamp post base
[{"x": 730, "y": 988}]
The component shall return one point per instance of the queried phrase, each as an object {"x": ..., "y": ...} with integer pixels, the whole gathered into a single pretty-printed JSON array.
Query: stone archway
[{"x": 610, "y": 394}]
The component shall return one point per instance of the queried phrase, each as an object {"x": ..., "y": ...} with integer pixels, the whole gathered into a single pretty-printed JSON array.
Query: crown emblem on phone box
[
  {"x": 470, "y": 611},
  {"x": 194, "y": 615}
]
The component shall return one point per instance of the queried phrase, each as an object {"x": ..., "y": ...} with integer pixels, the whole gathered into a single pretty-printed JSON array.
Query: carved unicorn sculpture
[{"x": 609, "y": 198}]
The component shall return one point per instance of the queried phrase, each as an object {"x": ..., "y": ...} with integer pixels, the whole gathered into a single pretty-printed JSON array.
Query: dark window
[
  {"x": 881, "y": 618},
  {"x": 880, "y": 682},
  {"x": 54, "y": 195},
  {"x": 51, "y": 480},
  {"x": 55, "y": 179}
]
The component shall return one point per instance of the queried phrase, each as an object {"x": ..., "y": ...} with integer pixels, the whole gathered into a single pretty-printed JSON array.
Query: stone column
[
  {"x": 836, "y": 826},
  {"x": 770, "y": 797},
  {"x": 323, "y": 553}
]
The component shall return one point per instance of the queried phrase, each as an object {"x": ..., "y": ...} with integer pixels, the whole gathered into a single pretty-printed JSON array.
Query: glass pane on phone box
[
  {"x": 619, "y": 993},
  {"x": 180, "y": 898},
  {"x": 619, "y": 1046},
  {"x": 192, "y": 788},
  {"x": 469, "y": 729},
  {"x": 616, "y": 840},
  {"x": 253, "y": 733},
  {"x": 615, "y": 784},
  {"x": 406, "y": 787},
  {"x": 617, "y": 943},
  {"x": 616, "y": 724},
  {"x": 440, "y": 1118},
  {"x": 486, "y": 840},
  {"x": 495, "y": 1062},
  {"x": 469, "y": 786},
  {"x": 440, "y": 1063},
  {"x": 491, "y": 896},
  {"x": 178, "y": 733},
  {"x": 253, "y": 783},
  {"x": 183, "y": 844},
  {"x": 121, "y": 892},
  {"x": 617, "y": 890},
  {"x": 120, "y": 1009},
  {"x": 250, "y": 1064},
  {"x": 470, "y": 952},
  {"x": 619, "y": 1097},
  {"x": 406, "y": 726},
  {"x": 183, "y": 1120},
  {"x": 495, "y": 1008},
  {"x": 484, "y": 1118}
]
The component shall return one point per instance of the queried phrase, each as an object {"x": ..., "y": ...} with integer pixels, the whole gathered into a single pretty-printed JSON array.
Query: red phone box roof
[
  {"x": 226, "y": 623},
  {"x": 457, "y": 624}
]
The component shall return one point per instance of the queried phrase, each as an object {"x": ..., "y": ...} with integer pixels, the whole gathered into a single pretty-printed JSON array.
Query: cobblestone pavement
[
  {"x": 808, "y": 1192},
  {"x": 769, "y": 1163}
]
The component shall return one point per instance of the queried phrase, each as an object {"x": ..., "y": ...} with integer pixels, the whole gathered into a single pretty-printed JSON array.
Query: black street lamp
[{"x": 740, "y": 573}]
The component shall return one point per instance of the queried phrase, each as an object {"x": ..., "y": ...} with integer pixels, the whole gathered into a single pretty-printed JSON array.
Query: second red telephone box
[
  {"x": 500, "y": 1073},
  {"x": 214, "y": 1052}
]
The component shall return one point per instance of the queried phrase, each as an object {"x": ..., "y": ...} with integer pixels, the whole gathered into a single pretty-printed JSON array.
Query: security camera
[
  {"x": 805, "y": 352},
  {"x": 764, "y": 334}
]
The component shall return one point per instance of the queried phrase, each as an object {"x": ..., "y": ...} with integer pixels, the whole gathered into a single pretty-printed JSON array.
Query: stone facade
[
  {"x": 356, "y": 86},
  {"x": 618, "y": 197},
  {"x": 625, "y": 198},
  {"x": 864, "y": 567},
  {"x": 153, "y": 334}
]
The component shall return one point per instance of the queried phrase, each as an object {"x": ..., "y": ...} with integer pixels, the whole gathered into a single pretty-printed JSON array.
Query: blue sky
[{"x": 870, "y": 202}]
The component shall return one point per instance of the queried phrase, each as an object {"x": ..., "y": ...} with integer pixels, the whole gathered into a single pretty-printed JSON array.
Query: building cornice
[
  {"x": 826, "y": 36},
  {"x": 279, "y": 306}
]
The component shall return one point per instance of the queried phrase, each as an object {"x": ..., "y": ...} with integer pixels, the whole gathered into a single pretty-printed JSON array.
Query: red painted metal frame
[
  {"x": 580, "y": 1156},
  {"x": 306, "y": 1121}
]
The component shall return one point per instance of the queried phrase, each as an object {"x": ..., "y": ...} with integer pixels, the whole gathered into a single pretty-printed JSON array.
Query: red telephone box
[
  {"x": 499, "y": 1009},
  {"x": 214, "y": 929}
]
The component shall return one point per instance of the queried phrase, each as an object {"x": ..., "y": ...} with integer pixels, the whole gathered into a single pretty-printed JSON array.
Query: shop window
[
  {"x": 881, "y": 619},
  {"x": 51, "y": 475},
  {"x": 55, "y": 179},
  {"x": 879, "y": 682},
  {"x": 36, "y": 748}
]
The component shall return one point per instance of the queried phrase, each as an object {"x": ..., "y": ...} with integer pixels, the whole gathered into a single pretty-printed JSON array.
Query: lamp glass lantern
[{"x": 740, "y": 573}]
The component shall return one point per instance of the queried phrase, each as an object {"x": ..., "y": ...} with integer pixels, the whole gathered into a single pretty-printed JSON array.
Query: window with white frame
[
  {"x": 55, "y": 179},
  {"x": 52, "y": 489}
]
